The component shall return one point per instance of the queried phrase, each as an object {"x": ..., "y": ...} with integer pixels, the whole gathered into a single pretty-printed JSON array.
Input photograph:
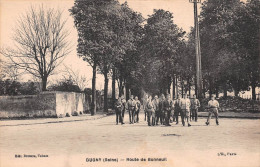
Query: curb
[{"x": 61, "y": 121}]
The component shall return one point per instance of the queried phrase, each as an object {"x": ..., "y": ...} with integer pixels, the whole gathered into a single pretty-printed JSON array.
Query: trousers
[
  {"x": 137, "y": 115},
  {"x": 131, "y": 115},
  {"x": 194, "y": 114},
  {"x": 167, "y": 117},
  {"x": 215, "y": 112},
  {"x": 150, "y": 114},
  {"x": 118, "y": 116}
]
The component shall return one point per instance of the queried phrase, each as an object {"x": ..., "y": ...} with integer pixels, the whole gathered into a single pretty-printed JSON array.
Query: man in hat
[
  {"x": 213, "y": 106},
  {"x": 131, "y": 104}
]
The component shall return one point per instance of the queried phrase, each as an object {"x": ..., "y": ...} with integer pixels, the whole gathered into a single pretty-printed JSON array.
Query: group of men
[
  {"x": 164, "y": 109},
  {"x": 133, "y": 106}
]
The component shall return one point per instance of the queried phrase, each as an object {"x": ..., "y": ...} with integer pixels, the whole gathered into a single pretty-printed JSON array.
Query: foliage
[
  {"x": 12, "y": 88},
  {"x": 160, "y": 50},
  {"x": 66, "y": 85}
]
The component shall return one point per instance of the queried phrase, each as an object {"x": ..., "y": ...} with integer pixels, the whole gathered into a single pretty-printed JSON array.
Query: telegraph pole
[{"x": 197, "y": 49}]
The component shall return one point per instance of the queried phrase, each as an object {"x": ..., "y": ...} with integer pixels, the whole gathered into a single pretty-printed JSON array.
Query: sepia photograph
[{"x": 129, "y": 83}]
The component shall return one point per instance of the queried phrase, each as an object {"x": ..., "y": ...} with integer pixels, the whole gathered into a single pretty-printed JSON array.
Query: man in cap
[
  {"x": 123, "y": 101},
  {"x": 149, "y": 109},
  {"x": 161, "y": 110},
  {"x": 213, "y": 106},
  {"x": 137, "y": 109},
  {"x": 157, "y": 110},
  {"x": 177, "y": 109},
  {"x": 131, "y": 104},
  {"x": 168, "y": 106},
  {"x": 185, "y": 110},
  {"x": 118, "y": 108},
  {"x": 195, "y": 104},
  {"x": 145, "y": 99}
]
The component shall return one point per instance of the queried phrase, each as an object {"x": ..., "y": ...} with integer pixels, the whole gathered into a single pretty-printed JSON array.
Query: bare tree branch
[{"x": 40, "y": 42}]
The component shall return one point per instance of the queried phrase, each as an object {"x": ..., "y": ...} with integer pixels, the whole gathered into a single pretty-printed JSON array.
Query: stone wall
[{"x": 47, "y": 104}]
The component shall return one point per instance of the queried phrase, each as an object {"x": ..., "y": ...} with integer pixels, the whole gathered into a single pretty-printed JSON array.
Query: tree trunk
[
  {"x": 127, "y": 91},
  {"x": 196, "y": 90},
  {"x": 217, "y": 92},
  {"x": 169, "y": 85},
  {"x": 189, "y": 90},
  {"x": 44, "y": 83},
  {"x": 253, "y": 92},
  {"x": 177, "y": 88},
  {"x": 105, "y": 93},
  {"x": 236, "y": 92},
  {"x": 182, "y": 87},
  {"x": 113, "y": 87},
  {"x": 210, "y": 87},
  {"x": 173, "y": 87},
  {"x": 94, "y": 100},
  {"x": 225, "y": 90},
  {"x": 120, "y": 86}
]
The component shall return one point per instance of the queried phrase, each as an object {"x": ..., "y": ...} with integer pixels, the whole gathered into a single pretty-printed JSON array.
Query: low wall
[
  {"x": 69, "y": 103},
  {"x": 47, "y": 104}
]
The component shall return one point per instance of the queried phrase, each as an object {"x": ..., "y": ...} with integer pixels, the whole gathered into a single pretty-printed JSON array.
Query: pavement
[
  {"x": 79, "y": 141},
  {"x": 32, "y": 121}
]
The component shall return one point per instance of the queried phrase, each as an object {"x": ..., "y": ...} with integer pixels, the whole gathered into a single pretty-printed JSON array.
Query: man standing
[
  {"x": 119, "y": 107},
  {"x": 130, "y": 105},
  {"x": 123, "y": 101},
  {"x": 150, "y": 109},
  {"x": 213, "y": 106},
  {"x": 185, "y": 110},
  {"x": 177, "y": 109},
  {"x": 168, "y": 106},
  {"x": 157, "y": 110},
  {"x": 195, "y": 104},
  {"x": 145, "y": 99},
  {"x": 161, "y": 110},
  {"x": 137, "y": 109}
]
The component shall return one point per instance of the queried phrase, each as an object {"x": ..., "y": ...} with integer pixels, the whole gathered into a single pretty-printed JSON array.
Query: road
[{"x": 236, "y": 142}]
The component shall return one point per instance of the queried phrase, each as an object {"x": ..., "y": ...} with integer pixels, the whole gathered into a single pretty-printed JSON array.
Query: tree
[
  {"x": 245, "y": 37},
  {"x": 104, "y": 36},
  {"x": 75, "y": 77},
  {"x": 40, "y": 42},
  {"x": 160, "y": 46},
  {"x": 128, "y": 29},
  {"x": 91, "y": 20},
  {"x": 8, "y": 71},
  {"x": 216, "y": 46}
]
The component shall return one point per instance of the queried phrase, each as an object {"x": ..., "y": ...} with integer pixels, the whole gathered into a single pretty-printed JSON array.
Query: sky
[{"x": 10, "y": 10}]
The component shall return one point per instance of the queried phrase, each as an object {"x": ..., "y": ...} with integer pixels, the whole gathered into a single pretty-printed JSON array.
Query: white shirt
[
  {"x": 185, "y": 104},
  {"x": 213, "y": 104}
]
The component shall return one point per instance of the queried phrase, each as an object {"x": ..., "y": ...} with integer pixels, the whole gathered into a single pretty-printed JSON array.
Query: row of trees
[
  {"x": 109, "y": 34},
  {"x": 143, "y": 54},
  {"x": 151, "y": 54},
  {"x": 230, "y": 38}
]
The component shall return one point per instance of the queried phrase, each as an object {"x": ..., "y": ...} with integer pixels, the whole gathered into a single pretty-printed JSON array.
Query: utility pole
[{"x": 197, "y": 48}]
